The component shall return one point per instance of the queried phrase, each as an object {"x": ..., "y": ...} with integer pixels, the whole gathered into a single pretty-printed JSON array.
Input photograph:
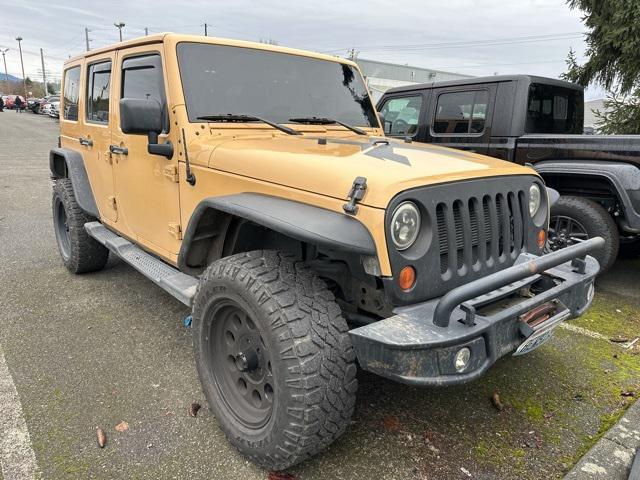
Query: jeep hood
[{"x": 390, "y": 166}]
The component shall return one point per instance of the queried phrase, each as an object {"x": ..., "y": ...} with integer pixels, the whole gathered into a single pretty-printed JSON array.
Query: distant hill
[{"x": 12, "y": 78}]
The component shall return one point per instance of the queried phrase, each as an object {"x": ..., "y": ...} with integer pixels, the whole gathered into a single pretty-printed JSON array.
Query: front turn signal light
[
  {"x": 542, "y": 238},
  {"x": 407, "y": 278}
]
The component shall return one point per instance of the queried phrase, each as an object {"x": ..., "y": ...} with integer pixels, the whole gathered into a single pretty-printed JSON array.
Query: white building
[{"x": 381, "y": 76}]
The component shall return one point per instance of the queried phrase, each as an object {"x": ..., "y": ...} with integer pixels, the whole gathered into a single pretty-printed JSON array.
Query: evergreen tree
[{"x": 613, "y": 60}]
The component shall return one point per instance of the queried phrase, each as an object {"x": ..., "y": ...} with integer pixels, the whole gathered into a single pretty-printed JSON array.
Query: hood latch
[{"x": 356, "y": 194}]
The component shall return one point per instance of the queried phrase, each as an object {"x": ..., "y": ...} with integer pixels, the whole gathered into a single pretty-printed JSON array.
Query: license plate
[{"x": 543, "y": 333}]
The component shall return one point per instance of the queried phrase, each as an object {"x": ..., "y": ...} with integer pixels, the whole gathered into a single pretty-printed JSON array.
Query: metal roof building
[{"x": 381, "y": 76}]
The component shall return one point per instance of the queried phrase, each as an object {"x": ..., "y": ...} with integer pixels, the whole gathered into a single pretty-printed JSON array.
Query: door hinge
[
  {"x": 176, "y": 230},
  {"x": 112, "y": 202},
  {"x": 356, "y": 194},
  {"x": 171, "y": 172},
  {"x": 108, "y": 158}
]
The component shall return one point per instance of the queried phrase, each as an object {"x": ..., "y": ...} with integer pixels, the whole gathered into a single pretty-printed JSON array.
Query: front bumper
[{"x": 488, "y": 316}]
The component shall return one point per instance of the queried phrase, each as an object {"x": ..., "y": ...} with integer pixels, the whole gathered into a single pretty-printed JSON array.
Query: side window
[
  {"x": 142, "y": 78},
  {"x": 460, "y": 113},
  {"x": 401, "y": 115},
  {"x": 71, "y": 93},
  {"x": 98, "y": 82}
]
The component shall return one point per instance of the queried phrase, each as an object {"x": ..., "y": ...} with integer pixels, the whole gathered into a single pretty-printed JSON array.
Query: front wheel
[
  {"x": 274, "y": 357},
  {"x": 574, "y": 219}
]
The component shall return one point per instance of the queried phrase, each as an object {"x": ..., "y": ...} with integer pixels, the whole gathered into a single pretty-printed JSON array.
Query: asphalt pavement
[{"x": 95, "y": 350}]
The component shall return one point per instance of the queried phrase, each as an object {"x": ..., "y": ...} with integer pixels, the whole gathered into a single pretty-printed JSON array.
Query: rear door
[
  {"x": 97, "y": 117},
  {"x": 460, "y": 117}
]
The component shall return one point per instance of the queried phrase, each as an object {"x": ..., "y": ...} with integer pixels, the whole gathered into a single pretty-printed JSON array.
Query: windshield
[
  {"x": 220, "y": 79},
  {"x": 554, "y": 109}
]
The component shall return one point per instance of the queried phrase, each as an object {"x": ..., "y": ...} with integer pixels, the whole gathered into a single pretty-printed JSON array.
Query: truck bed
[{"x": 536, "y": 148}]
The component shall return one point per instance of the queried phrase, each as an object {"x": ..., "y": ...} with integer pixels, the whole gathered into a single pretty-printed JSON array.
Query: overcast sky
[{"x": 477, "y": 37}]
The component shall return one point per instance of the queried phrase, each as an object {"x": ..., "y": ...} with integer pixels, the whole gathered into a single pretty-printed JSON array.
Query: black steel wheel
[
  {"x": 574, "y": 219},
  {"x": 246, "y": 382},
  {"x": 61, "y": 226},
  {"x": 273, "y": 356}
]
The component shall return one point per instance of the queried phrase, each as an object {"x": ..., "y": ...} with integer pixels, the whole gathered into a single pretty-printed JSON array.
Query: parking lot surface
[{"x": 99, "y": 349}]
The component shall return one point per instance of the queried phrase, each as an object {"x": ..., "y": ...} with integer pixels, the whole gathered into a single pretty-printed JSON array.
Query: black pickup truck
[{"x": 527, "y": 119}]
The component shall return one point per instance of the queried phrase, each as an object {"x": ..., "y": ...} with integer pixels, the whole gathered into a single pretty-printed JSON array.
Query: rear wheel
[
  {"x": 80, "y": 253},
  {"x": 574, "y": 219},
  {"x": 274, "y": 357}
]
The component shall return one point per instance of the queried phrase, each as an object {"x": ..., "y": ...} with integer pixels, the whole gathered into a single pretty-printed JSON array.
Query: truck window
[
  {"x": 142, "y": 78},
  {"x": 553, "y": 109},
  {"x": 461, "y": 113},
  {"x": 71, "y": 93},
  {"x": 98, "y": 82},
  {"x": 220, "y": 79},
  {"x": 401, "y": 115}
]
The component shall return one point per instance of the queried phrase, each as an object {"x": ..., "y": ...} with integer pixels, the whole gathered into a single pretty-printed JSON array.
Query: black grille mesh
[{"x": 479, "y": 231}]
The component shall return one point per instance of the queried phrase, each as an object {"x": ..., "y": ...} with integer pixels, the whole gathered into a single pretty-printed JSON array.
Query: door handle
[
  {"x": 87, "y": 142},
  {"x": 119, "y": 150}
]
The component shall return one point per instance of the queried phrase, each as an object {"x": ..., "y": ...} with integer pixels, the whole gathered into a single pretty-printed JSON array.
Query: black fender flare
[
  {"x": 308, "y": 223},
  {"x": 623, "y": 177},
  {"x": 64, "y": 163}
]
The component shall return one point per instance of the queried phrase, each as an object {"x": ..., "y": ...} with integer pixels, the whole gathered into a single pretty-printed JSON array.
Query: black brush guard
[{"x": 419, "y": 343}]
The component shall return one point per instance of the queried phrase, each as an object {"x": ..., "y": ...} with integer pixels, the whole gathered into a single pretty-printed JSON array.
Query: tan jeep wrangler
[{"x": 254, "y": 183}]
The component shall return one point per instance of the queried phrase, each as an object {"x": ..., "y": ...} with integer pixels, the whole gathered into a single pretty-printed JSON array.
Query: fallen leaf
[
  {"x": 193, "y": 409},
  {"x": 391, "y": 423},
  {"x": 280, "y": 476},
  {"x": 495, "y": 399},
  {"x": 122, "y": 427},
  {"x": 619, "y": 339},
  {"x": 102, "y": 438}
]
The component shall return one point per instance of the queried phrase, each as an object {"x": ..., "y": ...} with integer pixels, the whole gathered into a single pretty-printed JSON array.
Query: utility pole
[
  {"x": 146, "y": 31},
  {"x": 86, "y": 37},
  {"x": 6, "y": 73},
  {"x": 119, "y": 26},
  {"x": 44, "y": 74},
  {"x": 24, "y": 82},
  {"x": 205, "y": 29}
]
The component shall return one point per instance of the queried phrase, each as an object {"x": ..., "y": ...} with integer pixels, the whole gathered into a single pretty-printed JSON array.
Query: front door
[{"x": 146, "y": 185}]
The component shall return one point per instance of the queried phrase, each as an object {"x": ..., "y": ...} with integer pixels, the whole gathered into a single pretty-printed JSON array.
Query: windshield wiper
[
  {"x": 241, "y": 118},
  {"x": 326, "y": 121}
]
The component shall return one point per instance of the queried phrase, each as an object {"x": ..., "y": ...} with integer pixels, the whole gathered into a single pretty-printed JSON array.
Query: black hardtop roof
[{"x": 490, "y": 79}]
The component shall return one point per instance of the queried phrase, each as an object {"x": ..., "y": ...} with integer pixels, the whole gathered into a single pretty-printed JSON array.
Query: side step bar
[{"x": 178, "y": 284}]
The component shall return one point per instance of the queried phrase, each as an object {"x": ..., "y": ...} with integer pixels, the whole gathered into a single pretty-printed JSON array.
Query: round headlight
[
  {"x": 535, "y": 199},
  {"x": 405, "y": 225}
]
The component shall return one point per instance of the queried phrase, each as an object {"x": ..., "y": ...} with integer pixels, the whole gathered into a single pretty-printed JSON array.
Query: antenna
[{"x": 191, "y": 179}]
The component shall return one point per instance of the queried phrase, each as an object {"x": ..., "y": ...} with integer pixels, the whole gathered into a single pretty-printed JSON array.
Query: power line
[{"x": 470, "y": 43}]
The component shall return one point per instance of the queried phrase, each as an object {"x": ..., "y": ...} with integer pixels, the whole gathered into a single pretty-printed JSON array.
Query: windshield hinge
[{"x": 355, "y": 195}]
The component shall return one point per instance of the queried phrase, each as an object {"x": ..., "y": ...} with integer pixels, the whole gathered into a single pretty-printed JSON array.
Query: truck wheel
[
  {"x": 580, "y": 218},
  {"x": 80, "y": 253},
  {"x": 274, "y": 357}
]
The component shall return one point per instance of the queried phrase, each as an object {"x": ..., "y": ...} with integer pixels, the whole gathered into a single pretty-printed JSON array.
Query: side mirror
[
  {"x": 144, "y": 117},
  {"x": 386, "y": 126}
]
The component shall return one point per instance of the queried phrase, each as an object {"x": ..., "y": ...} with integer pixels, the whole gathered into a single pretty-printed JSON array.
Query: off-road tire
[
  {"x": 305, "y": 335},
  {"x": 80, "y": 253},
  {"x": 596, "y": 221}
]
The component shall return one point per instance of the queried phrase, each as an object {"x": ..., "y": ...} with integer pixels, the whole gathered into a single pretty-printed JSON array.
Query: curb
[{"x": 611, "y": 457}]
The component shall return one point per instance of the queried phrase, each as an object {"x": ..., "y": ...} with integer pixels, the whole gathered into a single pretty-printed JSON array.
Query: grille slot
[{"x": 479, "y": 231}]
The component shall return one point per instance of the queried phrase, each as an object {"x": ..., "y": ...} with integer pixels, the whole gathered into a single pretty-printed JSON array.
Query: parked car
[
  {"x": 33, "y": 104},
  {"x": 535, "y": 120},
  {"x": 46, "y": 106},
  {"x": 301, "y": 238},
  {"x": 54, "y": 109},
  {"x": 10, "y": 100}
]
